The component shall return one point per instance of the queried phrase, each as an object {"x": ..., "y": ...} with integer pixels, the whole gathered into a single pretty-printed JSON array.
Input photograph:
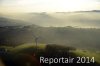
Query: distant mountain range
[
  {"x": 89, "y": 11},
  {"x": 82, "y": 19},
  {"x": 11, "y": 22},
  {"x": 95, "y": 10}
]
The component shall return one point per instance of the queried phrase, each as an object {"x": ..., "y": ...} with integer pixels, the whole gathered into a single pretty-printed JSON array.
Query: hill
[
  {"x": 84, "y": 19},
  {"x": 6, "y": 21},
  {"x": 27, "y": 54},
  {"x": 70, "y": 36}
]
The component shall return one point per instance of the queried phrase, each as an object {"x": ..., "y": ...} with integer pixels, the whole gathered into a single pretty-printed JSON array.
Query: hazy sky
[{"x": 48, "y": 5}]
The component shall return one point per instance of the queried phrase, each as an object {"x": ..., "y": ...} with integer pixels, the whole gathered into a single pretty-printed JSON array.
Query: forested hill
[{"x": 77, "y": 37}]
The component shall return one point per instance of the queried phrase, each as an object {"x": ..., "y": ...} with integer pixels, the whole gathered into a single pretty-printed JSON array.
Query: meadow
[{"x": 29, "y": 55}]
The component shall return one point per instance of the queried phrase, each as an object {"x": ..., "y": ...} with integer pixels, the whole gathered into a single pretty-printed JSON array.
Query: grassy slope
[
  {"x": 87, "y": 53},
  {"x": 27, "y": 47}
]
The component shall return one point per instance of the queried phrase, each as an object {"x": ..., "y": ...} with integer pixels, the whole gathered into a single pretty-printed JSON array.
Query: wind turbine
[{"x": 36, "y": 44}]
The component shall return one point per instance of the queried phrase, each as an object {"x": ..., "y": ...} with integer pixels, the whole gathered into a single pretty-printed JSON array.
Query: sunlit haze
[{"x": 48, "y": 5}]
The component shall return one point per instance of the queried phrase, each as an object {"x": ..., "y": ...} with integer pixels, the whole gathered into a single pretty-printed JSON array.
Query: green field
[
  {"x": 87, "y": 53},
  {"x": 30, "y": 49}
]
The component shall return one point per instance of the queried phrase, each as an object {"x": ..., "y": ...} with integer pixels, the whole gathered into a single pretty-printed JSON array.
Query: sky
[{"x": 48, "y": 5}]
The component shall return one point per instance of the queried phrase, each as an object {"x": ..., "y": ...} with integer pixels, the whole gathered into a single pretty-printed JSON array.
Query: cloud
[{"x": 49, "y": 5}]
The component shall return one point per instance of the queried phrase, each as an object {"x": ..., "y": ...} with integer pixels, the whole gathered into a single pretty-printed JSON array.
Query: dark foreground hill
[{"x": 27, "y": 55}]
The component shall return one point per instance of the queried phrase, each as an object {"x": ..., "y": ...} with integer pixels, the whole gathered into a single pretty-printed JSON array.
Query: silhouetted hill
[
  {"x": 4, "y": 21},
  {"x": 82, "y": 19}
]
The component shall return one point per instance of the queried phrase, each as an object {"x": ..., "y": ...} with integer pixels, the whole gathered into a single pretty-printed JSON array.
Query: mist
[{"x": 59, "y": 19}]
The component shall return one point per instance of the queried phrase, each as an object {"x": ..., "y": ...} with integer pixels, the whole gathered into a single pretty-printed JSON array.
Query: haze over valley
[
  {"x": 80, "y": 19},
  {"x": 79, "y": 29}
]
